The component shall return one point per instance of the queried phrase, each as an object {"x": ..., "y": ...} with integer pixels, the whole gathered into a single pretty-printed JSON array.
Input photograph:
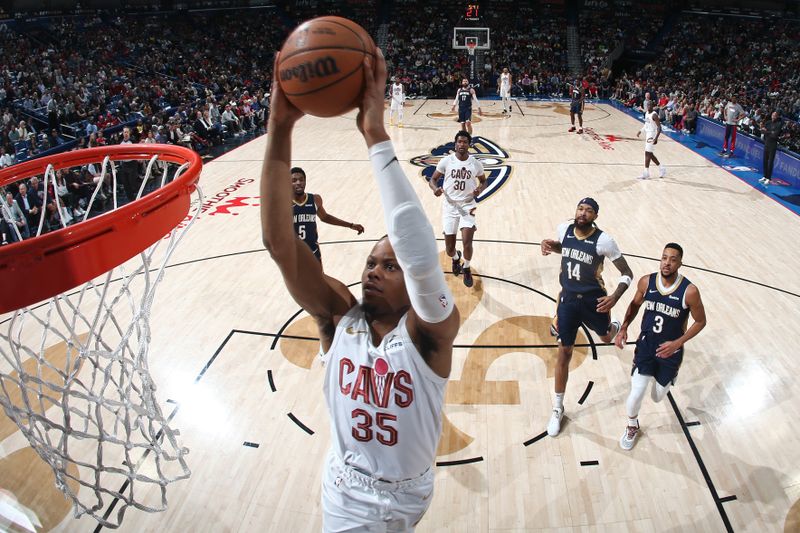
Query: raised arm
[
  {"x": 335, "y": 221},
  {"x": 323, "y": 297},
  {"x": 433, "y": 320},
  {"x": 631, "y": 312}
]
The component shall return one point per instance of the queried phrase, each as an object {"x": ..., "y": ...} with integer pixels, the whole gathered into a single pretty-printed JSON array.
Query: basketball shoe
[
  {"x": 554, "y": 426},
  {"x": 629, "y": 437},
  {"x": 468, "y": 277},
  {"x": 457, "y": 263}
]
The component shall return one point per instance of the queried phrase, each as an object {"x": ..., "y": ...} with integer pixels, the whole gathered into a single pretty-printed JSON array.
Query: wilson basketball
[{"x": 321, "y": 65}]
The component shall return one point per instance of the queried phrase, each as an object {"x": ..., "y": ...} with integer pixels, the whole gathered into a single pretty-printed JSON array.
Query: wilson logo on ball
[{"x": 322, "y": 67}]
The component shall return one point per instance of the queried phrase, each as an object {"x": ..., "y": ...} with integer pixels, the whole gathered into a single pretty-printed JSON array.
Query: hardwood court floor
[{"x": 723, "y": 449}]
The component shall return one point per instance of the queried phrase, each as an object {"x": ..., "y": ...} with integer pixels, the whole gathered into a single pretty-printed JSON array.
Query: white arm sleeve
[
  {"x": 411, "y": 235},
  {"x": 607, "y": 246}
]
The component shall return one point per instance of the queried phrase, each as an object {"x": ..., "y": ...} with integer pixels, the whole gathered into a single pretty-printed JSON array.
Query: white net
[{"x": 74, "y": 374}]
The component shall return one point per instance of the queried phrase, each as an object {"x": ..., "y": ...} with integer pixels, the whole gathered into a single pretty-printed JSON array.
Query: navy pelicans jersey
[
  {"x": 665, "y": 309},
  {"x": 464, "y": 99},
  {"x": 577, "y": 94},
  {"x": 582, "y": 259},
  {"x": 305, "y": 222},
  {"x": 385, "y": 401}
]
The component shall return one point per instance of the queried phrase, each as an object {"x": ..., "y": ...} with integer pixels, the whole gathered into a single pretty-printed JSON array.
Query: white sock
[
  {"x": 633, "y": 422},
  {"x": 466, "y": 263},
  {"x": 646, "y": 172},
  {"x": 558, "y": 403}
]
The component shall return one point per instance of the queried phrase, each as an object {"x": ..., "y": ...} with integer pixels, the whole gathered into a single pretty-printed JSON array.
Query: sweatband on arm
[
  {"x": 411, "y": 235},
  {"x": 625, "y": 280}
]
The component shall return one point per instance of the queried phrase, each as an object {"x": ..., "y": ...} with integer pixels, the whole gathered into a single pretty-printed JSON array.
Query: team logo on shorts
[{"x": 489, "y": 153}]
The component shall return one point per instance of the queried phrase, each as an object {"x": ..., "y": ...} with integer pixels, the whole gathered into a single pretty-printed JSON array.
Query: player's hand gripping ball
[{"x": 321, "y": 65}]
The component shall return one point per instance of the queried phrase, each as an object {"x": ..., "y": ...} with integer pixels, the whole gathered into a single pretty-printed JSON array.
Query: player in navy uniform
[
  {"x": 576, "y": 105},
  {"x": 307, "y": 208},
  {"x": 465, "y": 97},
  {"x": 583, "y": 299},
  {"x": 668, "y": 300}
]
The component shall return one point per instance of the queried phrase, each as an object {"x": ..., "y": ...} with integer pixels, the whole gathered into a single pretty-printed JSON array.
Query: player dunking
[
  {"x": 459, "y": 170},
  {"x": 465, "y": 98},
  {"x": 668, "y": 300},
  {"x": 652, "y": 130},
  {"x": 387, "y": 357},
  {"x": 398, "y": 98},
  {"x": 504, "y": 89},
  {"x": 577, "y": 101},
  {"x": 307, "y": 208},
  {"x": 583, "y": 299}
]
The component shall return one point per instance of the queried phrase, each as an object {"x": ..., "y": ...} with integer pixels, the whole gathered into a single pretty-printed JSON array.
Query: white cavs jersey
[
  {"x": 650, "y": 127},
  {"x": 459, "y": 177},
  {"x": 505, "y": 84},
  {"x": 385, "y": 402},
  {"x": 397, "y": 95}
]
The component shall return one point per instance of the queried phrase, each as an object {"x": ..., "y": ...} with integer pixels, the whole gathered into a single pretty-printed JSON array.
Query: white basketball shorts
[
  {"x": 458, "y": 216},
  {"x": 353, "y": 501}
]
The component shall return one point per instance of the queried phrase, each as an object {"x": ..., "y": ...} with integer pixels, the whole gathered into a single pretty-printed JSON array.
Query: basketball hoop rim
[{"x": 63, "y": 259}]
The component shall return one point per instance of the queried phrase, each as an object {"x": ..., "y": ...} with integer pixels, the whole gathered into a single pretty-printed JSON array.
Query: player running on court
[
  {"x": 668, "y": 299},
  {"x": 583, "y": 299}
]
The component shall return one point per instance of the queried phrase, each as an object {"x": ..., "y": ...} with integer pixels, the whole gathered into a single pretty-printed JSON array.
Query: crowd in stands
[
  {"x": 201, "y": 78},
  {"x": 755, "y": 60},
  {"x": 58, "y": 86}
]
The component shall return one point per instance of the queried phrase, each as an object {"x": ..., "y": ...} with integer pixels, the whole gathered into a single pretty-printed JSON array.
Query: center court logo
[{"x": 488, "y": 152}]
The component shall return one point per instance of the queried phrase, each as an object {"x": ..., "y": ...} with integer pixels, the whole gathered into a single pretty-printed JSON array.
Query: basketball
[{"x": 321, "y": 65}]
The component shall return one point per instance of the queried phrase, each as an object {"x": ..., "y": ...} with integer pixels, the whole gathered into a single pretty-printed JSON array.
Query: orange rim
[{"x": 41, "y": 267}]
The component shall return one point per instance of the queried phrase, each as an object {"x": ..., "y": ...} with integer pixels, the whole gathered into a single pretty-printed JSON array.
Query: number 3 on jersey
[
  {"x": 658, "y": 324},
  {"x": 574, "y": 272},
  {"x": 363, "y": 432}
]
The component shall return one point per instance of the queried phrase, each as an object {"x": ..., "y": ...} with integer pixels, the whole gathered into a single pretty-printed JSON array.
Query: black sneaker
[
  {"x": 457, "y": 263},
  {"x": 467, "y": 277}
]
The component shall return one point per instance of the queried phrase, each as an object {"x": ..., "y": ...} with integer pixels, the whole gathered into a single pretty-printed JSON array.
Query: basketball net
[
  {"x": 74, "y": 376},
  {"x": 471, "y": 48}
]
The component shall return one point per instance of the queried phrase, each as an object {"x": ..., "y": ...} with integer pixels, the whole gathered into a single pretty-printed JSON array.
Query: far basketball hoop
[{"x": 477, "y": 37}]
